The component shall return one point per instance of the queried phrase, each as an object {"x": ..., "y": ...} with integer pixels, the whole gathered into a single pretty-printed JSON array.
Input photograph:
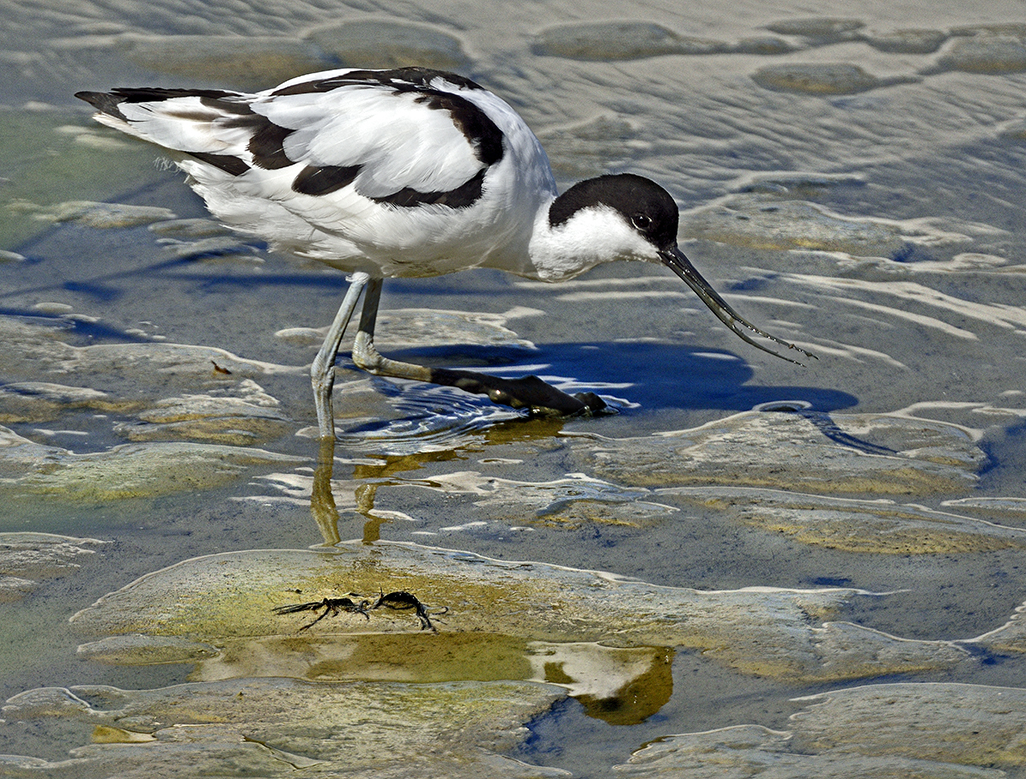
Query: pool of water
[{"x": 852, "y": 181}]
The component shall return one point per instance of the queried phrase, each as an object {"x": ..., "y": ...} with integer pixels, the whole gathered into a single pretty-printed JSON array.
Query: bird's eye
[{"x": 641, "y": 221}]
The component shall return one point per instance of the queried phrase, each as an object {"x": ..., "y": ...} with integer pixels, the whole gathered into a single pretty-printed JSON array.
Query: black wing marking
[{"x": 220, "y": 117}]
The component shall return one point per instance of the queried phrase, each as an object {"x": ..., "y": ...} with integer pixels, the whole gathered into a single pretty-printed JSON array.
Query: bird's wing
[{"x": 406, "y": 137}]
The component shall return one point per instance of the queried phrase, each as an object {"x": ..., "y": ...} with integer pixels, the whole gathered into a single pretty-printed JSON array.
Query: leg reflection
[
  {"x": 365, "y": 505},
  {"x": 322, "y": 502}
]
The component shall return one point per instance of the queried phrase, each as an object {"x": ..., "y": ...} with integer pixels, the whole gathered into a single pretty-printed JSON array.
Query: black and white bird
[{"x": 404, "y": 173}]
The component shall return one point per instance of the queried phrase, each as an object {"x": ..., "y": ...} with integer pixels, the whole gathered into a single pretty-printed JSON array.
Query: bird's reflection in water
[
  {"x": 387, "y": 469},
  {"x": 322, "y": 501}
]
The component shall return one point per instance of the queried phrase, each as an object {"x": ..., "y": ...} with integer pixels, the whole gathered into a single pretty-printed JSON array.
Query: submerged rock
[
  {"x": 222, "y": 599},
  {"x": 965, "y": 724},
  {"x": 220, "y": 401},
  {"x": 1013, "y": 29},
  {"x": 124, "y": 369},
  {"x": 821, "y": 29},
  {"x": 571, "y": 502},
  {"x": 605, "y": 41},
  {"x": 375, "y": 43},
  {"x": 273, "y": 727},
  {"x": 917, "y": 41},
  {"x": 620, "y": 685},
  {"x": 1009, "y": 638},
  {"x": 123, "y": 472},
  {"x": 433, "y": 327},
  {"x": 424, "y": 327},
  {"x": 93, "y": 214},
  {"x": 755, "y": 219},
  {"x": 822, "y": 78},
  {"x": 908, "y": 730},
  {"x": 590, "y": 148},
  {"x": 216, "y": 417},
  {"x": 138, "y": 649},
  {"x": 240, "y": 61},
  {"x": 753, "y": 751},
  {"x": 865, "y": 526},
  {"x": 36, "y": 401},
  {"x": 804, "y": 451},
  {"x": 985, "y": 54}
]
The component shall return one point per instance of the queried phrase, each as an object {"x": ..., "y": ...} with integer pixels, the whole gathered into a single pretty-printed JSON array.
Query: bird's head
[{"x": 629, "y": 217}]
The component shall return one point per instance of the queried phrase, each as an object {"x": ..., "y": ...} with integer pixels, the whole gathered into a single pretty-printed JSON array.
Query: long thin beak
[{"x": 675, "y": 260}]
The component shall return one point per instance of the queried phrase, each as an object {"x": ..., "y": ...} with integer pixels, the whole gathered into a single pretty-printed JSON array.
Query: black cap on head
[{"x": 646, "y": 206}]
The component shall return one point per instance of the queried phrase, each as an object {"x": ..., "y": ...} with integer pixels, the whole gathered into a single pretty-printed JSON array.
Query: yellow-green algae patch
[
  {"x": 850, "y": 525},
  {"x": 620, "y": 685},
  {"x": 104, "y": 734},
  {"x": 809, "y": 451},
  {"x": 249, "y": 418},
  {"x": 38, "y": 401},
  {"x": 886, "y": 731},
  {"x": 272, "y": 727},
  {"x": 753, "y": 751},
  {"x": 420, "y": 656},
  {"x": 821, "y": 78},
  {"x": 762, "y": 631}
]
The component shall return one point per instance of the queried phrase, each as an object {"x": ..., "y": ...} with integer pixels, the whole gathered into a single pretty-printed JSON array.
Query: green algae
[{"x": 761, "y": 631}]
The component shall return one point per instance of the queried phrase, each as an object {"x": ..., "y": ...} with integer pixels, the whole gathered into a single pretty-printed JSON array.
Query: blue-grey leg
[
  {"x": 367, "y": 357},
  {"x": 528, "y": 392},
  {"x": 322, "y": 372}
]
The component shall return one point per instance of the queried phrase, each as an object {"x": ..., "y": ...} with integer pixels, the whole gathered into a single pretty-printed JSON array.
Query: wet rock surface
[{"x": 276, "y": 726}]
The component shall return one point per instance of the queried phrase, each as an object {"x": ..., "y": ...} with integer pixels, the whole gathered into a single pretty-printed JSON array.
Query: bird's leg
[
  {"x": 322, "y": 372},
  {"x": 369, "y": 358},
  {"x": 528, "y": 392}
]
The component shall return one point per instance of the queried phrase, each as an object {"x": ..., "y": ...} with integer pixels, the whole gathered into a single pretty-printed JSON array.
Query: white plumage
[{"x": 408, "y": 172}]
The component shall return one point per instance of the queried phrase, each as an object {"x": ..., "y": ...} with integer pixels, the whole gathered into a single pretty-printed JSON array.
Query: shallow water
[{"x": 852, "y": 182}]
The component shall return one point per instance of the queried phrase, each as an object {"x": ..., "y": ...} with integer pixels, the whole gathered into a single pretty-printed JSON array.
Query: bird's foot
[{"x": 527, "y": 392}]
